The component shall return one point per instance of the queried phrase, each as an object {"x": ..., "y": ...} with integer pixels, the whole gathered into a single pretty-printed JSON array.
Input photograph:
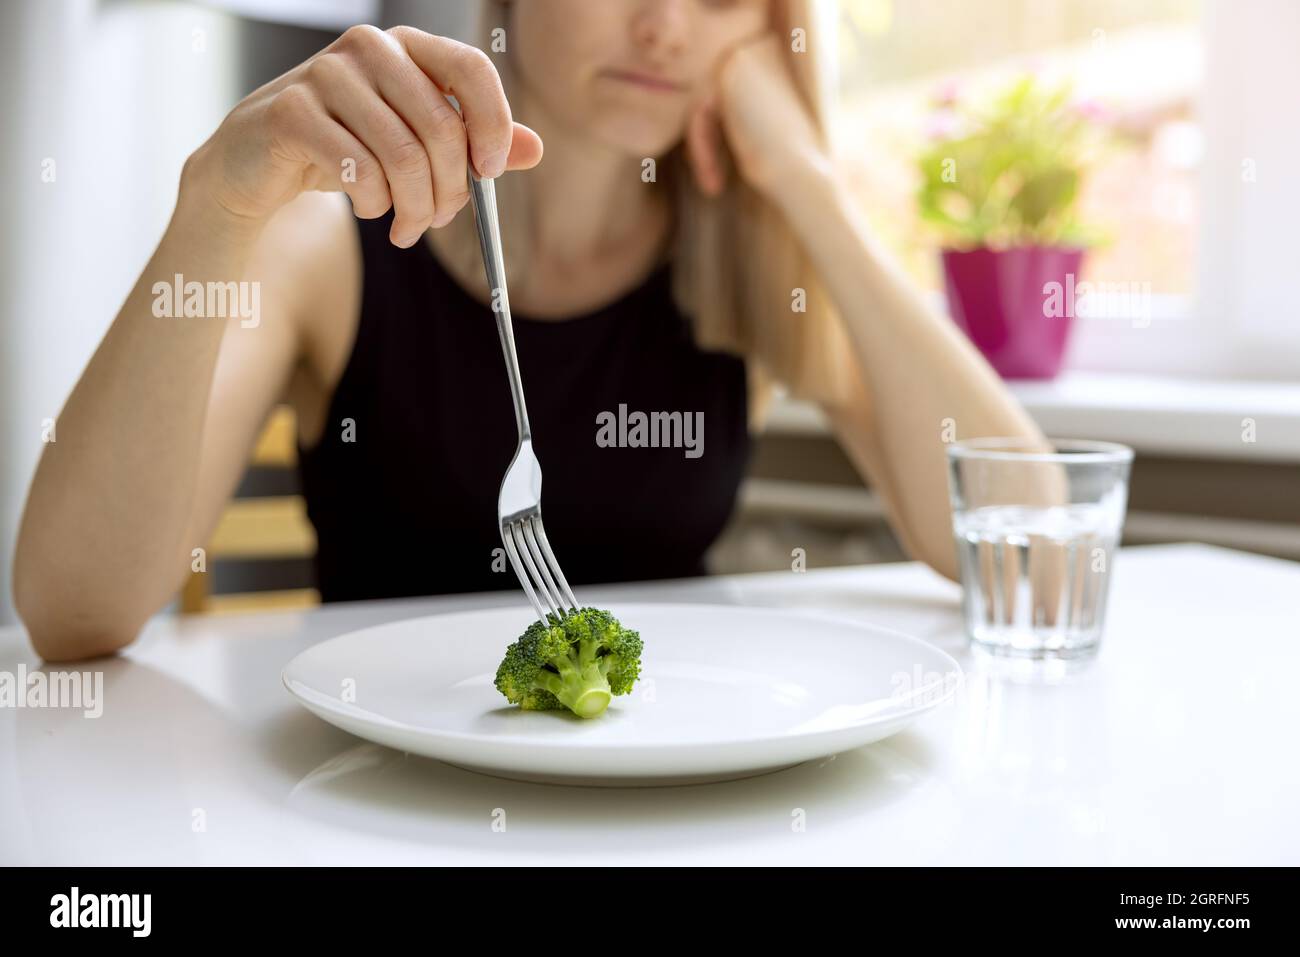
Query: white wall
[{"x": 117, "y": 94}]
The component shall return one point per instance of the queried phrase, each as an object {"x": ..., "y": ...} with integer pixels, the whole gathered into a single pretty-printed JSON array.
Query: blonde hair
[{"x": 736, "y": 262}]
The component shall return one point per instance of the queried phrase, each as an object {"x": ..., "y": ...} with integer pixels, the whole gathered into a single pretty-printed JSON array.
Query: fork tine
[
  {"x": 508, "y": 540},
  {"x": 554, "y": 565},
  {"x": 540, "y": 559},
  {"x": 553, "y": 606}
]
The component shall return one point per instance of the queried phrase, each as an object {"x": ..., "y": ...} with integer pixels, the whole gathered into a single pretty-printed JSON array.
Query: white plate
[{"x": 725, "y": 692}]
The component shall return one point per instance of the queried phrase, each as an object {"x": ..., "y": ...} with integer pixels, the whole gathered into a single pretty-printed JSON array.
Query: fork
[{"x": 519, "y": 505}]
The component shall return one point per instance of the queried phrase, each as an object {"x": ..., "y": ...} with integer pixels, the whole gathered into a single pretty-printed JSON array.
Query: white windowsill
[{"x": 1165, "y": 415}]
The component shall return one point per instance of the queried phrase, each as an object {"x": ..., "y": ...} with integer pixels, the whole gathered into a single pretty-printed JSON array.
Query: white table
[{"x": 1177, "y": 745}]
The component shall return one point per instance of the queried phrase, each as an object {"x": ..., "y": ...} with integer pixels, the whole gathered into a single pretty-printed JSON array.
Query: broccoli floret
[{"x": 577, "y": 663}]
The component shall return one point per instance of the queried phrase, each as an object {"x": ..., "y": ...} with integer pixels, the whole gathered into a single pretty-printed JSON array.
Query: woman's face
[{"x": 626, "y": 72}]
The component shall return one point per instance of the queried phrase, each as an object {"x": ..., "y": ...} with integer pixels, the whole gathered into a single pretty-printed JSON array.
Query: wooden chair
[{"x": 257, "y": 529}]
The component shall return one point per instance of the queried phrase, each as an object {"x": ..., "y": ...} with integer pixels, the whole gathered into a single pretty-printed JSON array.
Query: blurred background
[{"x": 1188, "y": 349}]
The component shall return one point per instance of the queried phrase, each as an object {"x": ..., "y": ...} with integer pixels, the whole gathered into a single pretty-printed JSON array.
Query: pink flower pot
[{"x": 1000, "y": 298}]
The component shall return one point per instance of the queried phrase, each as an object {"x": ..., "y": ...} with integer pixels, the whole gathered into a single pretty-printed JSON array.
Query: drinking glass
[{"x": 1036, "y": 527}]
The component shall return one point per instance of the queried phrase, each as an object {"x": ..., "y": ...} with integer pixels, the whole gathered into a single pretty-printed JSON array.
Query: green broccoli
[{"x": 577, "y": 663}]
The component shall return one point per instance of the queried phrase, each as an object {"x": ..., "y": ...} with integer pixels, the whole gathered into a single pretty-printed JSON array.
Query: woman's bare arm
[
  {"x": 915, "y": 369},
  {"x": 155, "y": 434},
  {"x": 919, "y": 373},
  {"x": 107, "y": 532}
]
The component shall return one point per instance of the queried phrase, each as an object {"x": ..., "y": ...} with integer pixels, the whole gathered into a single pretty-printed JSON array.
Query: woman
[{"x": 683, "y": 247}]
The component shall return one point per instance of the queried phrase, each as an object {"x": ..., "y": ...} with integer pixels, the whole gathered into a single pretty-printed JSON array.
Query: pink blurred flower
[
  {"x": 942, "y": 125},
  {"x": 1090, "y": 109},
  {"x": 945, "y": 94}
]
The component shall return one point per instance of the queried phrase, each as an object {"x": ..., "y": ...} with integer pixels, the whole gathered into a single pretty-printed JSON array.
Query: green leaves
[{"x": 1008, "y": 172}]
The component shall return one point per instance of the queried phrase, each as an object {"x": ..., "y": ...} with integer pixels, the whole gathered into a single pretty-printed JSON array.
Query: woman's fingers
[
  {"x": 413, "y": 73},
  {"x": 704, "y": 146},
  {"x": 437, "y": 124},
  {"x": 467, "y": 73},
  {"x": 336, "y": 160},
  {"x": 357, "y": 105},
  {"x": 370, "y": 116},
  {"x": 525, "y": 148},
  {"x": 450, "y": 184}
]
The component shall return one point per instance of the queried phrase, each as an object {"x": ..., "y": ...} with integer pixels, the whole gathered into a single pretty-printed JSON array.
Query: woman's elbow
[
  {"x": 65, "y": 627},
  {"x": 939, "y": 555},
  {"x": 943, "y": 561},
  {"x": 62, "y": 637},
  {"x": 930, "y": 543}
]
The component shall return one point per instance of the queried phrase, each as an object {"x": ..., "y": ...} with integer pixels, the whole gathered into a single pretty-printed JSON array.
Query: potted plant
[{"x": 1000, "y": 181}]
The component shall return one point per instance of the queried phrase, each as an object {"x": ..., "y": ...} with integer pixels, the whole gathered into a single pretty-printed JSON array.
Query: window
[{"x": 1191, "y": 193}]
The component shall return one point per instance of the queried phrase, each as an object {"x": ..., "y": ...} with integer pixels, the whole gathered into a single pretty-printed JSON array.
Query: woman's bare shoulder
[{"x": 310, "y": 256}]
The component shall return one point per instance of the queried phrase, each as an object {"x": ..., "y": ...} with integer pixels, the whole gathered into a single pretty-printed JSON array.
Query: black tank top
[{"x": 402, "y": 486}]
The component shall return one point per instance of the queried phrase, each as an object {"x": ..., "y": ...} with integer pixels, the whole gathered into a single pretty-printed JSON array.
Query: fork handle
[{"x": 484, "y": 196}]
